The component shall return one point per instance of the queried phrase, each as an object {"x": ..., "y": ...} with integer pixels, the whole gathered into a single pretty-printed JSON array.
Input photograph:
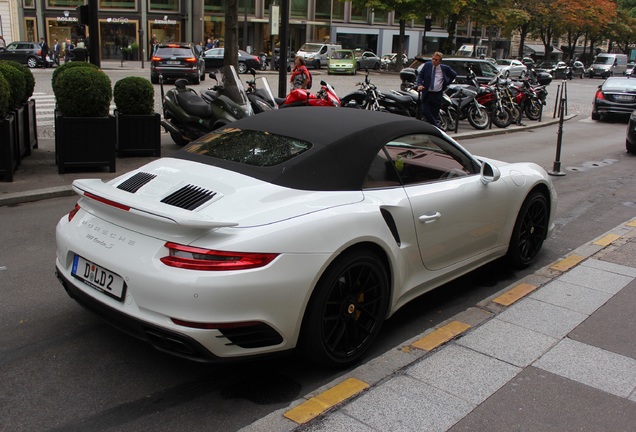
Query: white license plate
[
  {"x": 624, "y": 98},
  {"x": 173, "y": 62},
  {"x": 98, "y": 278}
]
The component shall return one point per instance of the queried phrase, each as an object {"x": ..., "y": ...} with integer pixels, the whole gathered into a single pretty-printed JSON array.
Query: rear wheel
[
  {"x": 478, "y": 117},
  {"x": 347, "y": 309},
  {"x": 530, "y": 230},
  {"x": 154, "y": 79},
  {"x": 596, "y": 116},
  {"x": 631, "y": 148},
  {"x": 178, "y": 139},
  {"x": 533, "y": 109},
  {"x": 242, "y": 68}
]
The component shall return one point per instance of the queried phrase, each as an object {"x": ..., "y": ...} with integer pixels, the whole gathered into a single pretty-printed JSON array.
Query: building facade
[{"x": 124, "y": 23}]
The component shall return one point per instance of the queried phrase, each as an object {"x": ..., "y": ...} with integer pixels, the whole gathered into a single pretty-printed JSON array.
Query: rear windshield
[
  {"x": 248, "y": 147},
  {"x": 177, "y": 52},
  {"x": 622, "y": 84}
]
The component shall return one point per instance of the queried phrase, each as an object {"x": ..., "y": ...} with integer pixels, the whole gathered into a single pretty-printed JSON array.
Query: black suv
[
  {"x": 28, "y": 53},
  {"x": 177, "y": 60}
]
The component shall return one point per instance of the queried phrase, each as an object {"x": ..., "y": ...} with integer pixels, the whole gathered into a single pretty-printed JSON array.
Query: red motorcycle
[{"x": 326, "y": 96}]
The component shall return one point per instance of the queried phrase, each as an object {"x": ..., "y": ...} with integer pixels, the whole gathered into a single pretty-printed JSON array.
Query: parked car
[
  {"x": 578, "y": 69},
  {"x": 342, "y": 62},
  {"x": 27, "y": 53},
  {"x": 617, "y": 95},
  {"x": 558, "y": 70},
  {"x": 213, "y": 59},
  {"x": 290, "y": 58},
  {"x": 389, "y": 61},
  {"x": 630, "y": 69},
  {"x": 484, "y": 70},
  {"x": 177, "y": 60},
  {"x": 630, "y": 140},
  {"x": 367, "y": 60},
  {"x": 511, "y": 68},
  {"x": 266, "y": 236}
]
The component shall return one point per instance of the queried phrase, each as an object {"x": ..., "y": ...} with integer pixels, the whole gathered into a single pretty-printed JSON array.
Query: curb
[{"x": 321, "y": 402}]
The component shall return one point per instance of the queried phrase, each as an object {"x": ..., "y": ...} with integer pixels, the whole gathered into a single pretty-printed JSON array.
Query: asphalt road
[{"x": 63, "y": 369}]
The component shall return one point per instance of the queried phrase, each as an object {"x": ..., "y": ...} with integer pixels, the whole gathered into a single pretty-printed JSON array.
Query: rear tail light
[
  {"x": 106, "y": 201},
  {"x": 40, "y": 52},
  {"x": 190, "y": 60},
  {"x": 155, "y": 58},
  {"x": 600, "y": 95},
  {"x": 73, "y": 212},
  {"x": 193, "y": 258}
]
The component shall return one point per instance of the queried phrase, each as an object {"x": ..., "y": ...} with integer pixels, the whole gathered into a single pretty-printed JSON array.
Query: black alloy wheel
[
  {"x": 347, "y": 309},
  {"x": 530, "y": 230}
]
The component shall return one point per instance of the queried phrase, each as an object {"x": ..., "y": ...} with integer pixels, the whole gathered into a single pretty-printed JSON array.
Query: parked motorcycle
[
  {"x": 367, "y": 96},
  {"x": 261, "y": 98},
  {"x": 326, "y": 96},
  {"x": 188, "y": 115},
  {"x": 264, "y": 61}
]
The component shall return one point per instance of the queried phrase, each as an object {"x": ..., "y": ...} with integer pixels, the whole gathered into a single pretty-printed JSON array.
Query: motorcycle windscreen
[
  {"x": 268, "y": 90},
  {"x": 235, "y": 90}
]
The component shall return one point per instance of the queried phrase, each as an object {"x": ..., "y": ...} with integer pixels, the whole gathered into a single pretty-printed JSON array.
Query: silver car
[
  {"x": 511, "y": 68},
  {"x": 367, "y": 60}
]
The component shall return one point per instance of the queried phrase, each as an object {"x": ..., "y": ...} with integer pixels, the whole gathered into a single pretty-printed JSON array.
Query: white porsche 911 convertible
[{"x": 297, "y": 228}]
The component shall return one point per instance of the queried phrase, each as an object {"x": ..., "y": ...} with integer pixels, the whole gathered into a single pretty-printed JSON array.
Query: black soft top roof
[{"x": 344, "y": 143}]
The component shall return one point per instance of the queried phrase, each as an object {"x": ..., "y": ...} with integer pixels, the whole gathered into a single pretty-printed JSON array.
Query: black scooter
[{"x": 188, "y": 115}]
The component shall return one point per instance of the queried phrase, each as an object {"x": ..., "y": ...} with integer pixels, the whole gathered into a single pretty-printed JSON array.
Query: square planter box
[
  {"x": 138, "y": 134},
  {"x": 21, "y": 145},
  {"x": 84, "y": 142},
  {"x": 31, "y": 126},
  {"x": 8, "y": 158}
]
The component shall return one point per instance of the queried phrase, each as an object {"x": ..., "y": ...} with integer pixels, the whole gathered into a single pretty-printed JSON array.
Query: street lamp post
[{"x": 142, "y": 45}]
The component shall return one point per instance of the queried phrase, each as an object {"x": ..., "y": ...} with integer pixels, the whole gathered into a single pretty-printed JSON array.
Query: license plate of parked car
[{"x": 98, "y": 278}]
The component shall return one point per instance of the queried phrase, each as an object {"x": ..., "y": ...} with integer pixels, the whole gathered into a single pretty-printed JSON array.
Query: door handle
[{"x": 430, "y": 218}]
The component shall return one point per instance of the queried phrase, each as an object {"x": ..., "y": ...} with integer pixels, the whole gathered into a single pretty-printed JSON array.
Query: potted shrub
[
  {"x": 17, "y": 88},
  {"x": 84, "y": 131},
  {"x": 30, "y": 122},
  {"x": 138, "y": 126},
  {"x": 8, "y": 162}
]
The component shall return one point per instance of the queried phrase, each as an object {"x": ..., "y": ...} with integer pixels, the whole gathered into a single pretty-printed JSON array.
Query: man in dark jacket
[
  {"x": 433, "y": 79},
  {"x": 45, "y": 50}
]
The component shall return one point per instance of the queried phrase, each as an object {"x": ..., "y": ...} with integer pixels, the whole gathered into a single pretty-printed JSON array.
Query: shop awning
[{"x": 539, "y": 50}]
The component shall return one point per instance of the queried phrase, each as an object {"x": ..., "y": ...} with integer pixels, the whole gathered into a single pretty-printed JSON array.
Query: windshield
[
  {"x": 341, "y": 55},
  {"x": 308, "y": 47},
  {"x": 603, "y": 60},
  {"x": 504, "y": 62},
  {"x": 231, "y": 88}
]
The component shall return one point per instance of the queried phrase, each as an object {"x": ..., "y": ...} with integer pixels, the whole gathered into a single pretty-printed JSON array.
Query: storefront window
[
  {"x": 358, "y": 14},
  {"x": 214, "y": 6},
  {"x": 117, "y": 4},
  {"x": 164, "y": 30},
  {"x": 28, "y": 4},
  {"x": 115, "y": 35},
  {"x": 30, "y": 30},
  {"x": 64, "y": 4},
  {"x": 164, "y": 5},
  {"x": 60, "y": 30},
  {"x": 299, "y": 8},
  {"x": 338, "y": 10}
]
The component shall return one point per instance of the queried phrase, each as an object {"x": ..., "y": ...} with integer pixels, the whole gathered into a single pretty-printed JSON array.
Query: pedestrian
[
  {"x": 67, "y": 50},
  {"x": 153, "y": 45},
  {"x": 57, "y": 50},
  {"x": 299, "y": 75},
  {"x": 209, "y": 45},
  {"x": 433, "y": 79},
  {"x": 3, "y": 43},
  {"x": 45, "y": 50}
]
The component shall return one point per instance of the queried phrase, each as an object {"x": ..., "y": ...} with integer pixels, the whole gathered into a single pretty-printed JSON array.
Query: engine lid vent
[
  {"x": 136, "y": 182},
  {"x": 189, "y": 197}
]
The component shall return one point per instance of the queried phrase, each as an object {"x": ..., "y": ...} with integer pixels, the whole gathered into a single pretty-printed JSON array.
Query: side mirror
[{"x": 489, "y": 173}]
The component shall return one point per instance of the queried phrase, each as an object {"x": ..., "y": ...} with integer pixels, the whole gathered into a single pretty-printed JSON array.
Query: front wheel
[
  {"x": 443, "y": 121},
  {"x": 478, "y": 117},
  {"x": 32, "y": 62},
  {"x": 502, "y": 117},
  {"x": 242, "y": 68},
  {"x": 530, "y": 230},
  {"x": 346, "y": 310}
]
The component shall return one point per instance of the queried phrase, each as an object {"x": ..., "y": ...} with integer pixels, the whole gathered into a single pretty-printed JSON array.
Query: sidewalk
[{"x": 555, "y": 351}]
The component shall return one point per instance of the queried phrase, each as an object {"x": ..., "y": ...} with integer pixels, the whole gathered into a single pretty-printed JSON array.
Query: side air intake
[{"x": 189, "y": 197}]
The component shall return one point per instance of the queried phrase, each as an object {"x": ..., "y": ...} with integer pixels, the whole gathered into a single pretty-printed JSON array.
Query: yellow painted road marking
[
  {"x": 567, "y": 263},
  {"x": 632, "y": 223},
  {"x": 315, "y": 406},
  {"x": 511, "y": 296},
  {"x": 606, "y": 240},
  {"x": 441, "y": 335}
]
